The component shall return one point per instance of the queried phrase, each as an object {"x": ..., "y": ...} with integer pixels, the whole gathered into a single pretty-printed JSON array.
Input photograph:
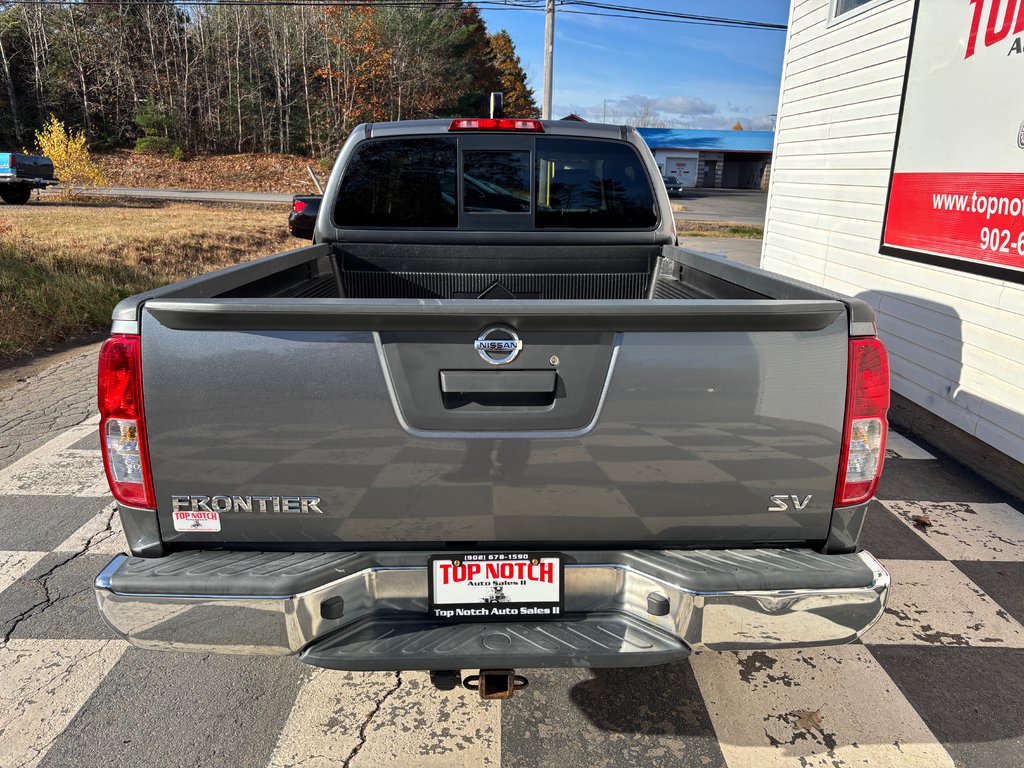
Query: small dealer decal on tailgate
[{"x": 197, "y": 522}]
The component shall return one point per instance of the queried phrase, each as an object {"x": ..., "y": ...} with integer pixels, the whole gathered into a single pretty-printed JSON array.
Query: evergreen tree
[{"x": 519, "y": 98}]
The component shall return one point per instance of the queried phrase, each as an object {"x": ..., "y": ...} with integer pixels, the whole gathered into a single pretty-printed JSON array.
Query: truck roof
[{"x": 551, "y": 128}]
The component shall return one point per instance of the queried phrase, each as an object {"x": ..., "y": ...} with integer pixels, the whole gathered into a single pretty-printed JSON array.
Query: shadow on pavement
[{"x": 662, "y": 700}]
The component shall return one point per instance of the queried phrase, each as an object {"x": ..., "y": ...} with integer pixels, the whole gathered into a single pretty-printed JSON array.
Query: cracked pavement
[
  {"x": 38, "y": 403},
  {"x": 935, "y": 683},
  {"x": 41, "y": 582},
  {"x": 369, "y": 719}
]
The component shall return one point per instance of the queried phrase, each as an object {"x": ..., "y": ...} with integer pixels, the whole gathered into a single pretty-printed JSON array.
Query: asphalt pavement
[
  {"x": 937, "y": 682},
  {"x": 745, "y": 250},
  {"x": 743, "y": 206}
]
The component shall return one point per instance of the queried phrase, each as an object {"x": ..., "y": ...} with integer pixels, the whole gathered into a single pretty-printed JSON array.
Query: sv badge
[{"x": 780, "y": 502}]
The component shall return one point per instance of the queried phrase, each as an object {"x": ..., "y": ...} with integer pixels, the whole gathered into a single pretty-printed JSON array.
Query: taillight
[
  {"x": 122, "y": 421},
  {"x": 495, "y": 124},
  {"x": 298, "y": 206},
  {"x": 865, "y": 428}
]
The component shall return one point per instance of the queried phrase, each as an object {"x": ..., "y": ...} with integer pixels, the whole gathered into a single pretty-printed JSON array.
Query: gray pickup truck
[{"x": 492, "y": 418}]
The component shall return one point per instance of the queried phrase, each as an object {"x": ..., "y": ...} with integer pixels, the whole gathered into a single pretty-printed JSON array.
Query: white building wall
[{"x": 956, "y": 340}]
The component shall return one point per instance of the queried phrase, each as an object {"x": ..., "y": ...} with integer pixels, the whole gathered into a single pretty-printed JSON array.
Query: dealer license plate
[{"x": 482, "y": 586}]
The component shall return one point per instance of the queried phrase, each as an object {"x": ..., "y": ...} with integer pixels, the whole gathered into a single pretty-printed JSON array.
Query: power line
[
  {"x": 665, "y": 15},
  {"x": 490, "y": 4},
  {"x": 755, "y": 26},
  {"x": 266, "y": 3},
  {"x": 606, "y": 10}
]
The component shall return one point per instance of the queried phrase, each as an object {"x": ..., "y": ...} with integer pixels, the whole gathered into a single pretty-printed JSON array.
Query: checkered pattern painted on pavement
[
  {"x": 939, "y": 681},
  {"x": 613, "y": 480}
]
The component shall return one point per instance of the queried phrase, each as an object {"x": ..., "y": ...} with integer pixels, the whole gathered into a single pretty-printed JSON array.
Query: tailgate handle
[{"x": 498, "y": 381}]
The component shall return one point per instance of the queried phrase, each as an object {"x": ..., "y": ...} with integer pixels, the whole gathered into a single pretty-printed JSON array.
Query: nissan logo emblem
[{"x": 498, "y": 345}]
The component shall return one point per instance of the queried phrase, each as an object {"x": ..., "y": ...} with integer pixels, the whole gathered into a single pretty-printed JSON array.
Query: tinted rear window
[
  {"x": 577, "y": 184},
  {"x": 496, "y": 181},
  {"x": 584, "y": 184},
  {"x": 400, "y": 183}
]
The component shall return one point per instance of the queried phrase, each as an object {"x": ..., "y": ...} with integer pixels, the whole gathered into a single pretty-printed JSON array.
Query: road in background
[
  {"x": 743, "y": 206},
  {"x": 194, "y": 195},
  {"x": 739, "y": 205},
  {"x": 744, "y": 250}
]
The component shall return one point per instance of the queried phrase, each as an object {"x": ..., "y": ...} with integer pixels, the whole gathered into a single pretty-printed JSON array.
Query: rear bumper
[
  {"x": 367, "y": 611},
  {"x": 26, "y": 181}
]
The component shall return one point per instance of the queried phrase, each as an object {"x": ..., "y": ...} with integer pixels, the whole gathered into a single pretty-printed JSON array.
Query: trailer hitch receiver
[{"x": 496, "y": 683}]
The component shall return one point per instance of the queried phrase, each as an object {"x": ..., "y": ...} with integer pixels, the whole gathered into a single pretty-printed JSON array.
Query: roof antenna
[{"x": 497, "y": 104}]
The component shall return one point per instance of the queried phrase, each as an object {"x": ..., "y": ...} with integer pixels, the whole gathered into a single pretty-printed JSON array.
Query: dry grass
[
  {"x": 236, "y": 173},
  {"x": 63, "y": 266},
  {"x": 719, "y": 229}
]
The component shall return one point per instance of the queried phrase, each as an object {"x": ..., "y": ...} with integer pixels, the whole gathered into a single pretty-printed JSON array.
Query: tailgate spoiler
[{"x": 454, "y": 315}]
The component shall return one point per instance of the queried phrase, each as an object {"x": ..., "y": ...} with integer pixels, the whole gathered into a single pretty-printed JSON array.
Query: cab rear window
[
  {"x": 564, "y": 183},
  {"x": 496, "y": 181},
  {"x": 585, "y": 184},
  {"x": 400, "y": 183}
]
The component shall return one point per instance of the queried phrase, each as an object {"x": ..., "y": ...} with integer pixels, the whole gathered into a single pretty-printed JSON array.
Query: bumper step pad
[
  {"x": 369, "y": 611},
  {"x": 596, "y": 640}
]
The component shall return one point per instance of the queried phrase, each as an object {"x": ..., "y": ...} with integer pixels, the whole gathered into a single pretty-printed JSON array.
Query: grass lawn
[
  {"x": 63, "y": 266},
  {"x": 719, "y": 229}
]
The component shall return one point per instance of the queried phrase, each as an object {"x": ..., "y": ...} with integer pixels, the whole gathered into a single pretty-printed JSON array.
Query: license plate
[{"x": 482, "y": 587}]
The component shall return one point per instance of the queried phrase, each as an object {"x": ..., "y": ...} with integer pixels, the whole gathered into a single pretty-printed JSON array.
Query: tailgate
[
  {"x": 31, "y": 166},
  {"x": 313, "y": 423}
]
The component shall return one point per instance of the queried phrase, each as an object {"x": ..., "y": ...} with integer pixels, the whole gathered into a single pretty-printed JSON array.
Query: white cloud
[
  {"x": 669, "y": 112},
  {"x": 681, "y": 105}
]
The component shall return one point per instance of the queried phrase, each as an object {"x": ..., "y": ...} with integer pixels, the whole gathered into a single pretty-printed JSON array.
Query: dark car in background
[
  {"x": 302, "y": 219},
  {"x": 673, "y": 185}
]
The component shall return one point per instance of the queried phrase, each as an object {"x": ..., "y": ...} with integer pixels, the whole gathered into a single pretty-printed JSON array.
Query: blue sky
[{"x": 694, "y": 76}]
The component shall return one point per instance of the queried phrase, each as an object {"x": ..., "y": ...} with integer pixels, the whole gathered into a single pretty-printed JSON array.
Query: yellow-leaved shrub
[{"x": 72, "y": 162}]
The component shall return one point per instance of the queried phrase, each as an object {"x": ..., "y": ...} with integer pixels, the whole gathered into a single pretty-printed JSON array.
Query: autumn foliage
[
  {"x": 246, "y": 77},
  {"x": 402, "y": 62},
  {"x": 519, "y": 100},
  {"x": 72, "y": 161}
]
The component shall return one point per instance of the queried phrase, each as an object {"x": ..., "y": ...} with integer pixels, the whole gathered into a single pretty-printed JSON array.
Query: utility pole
[{"x": 549, "y": 54}]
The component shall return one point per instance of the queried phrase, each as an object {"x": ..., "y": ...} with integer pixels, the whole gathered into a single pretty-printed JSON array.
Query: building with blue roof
[{"x": 699, "y": 158}]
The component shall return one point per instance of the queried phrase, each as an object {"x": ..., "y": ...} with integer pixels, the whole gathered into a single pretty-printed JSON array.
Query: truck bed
[
  {"x": 446, "y": 272},
  {"x": 347, "y": 406}
]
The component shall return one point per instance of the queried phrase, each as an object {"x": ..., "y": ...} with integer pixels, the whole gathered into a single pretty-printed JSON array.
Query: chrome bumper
[{"x": 717, "y": 620}]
